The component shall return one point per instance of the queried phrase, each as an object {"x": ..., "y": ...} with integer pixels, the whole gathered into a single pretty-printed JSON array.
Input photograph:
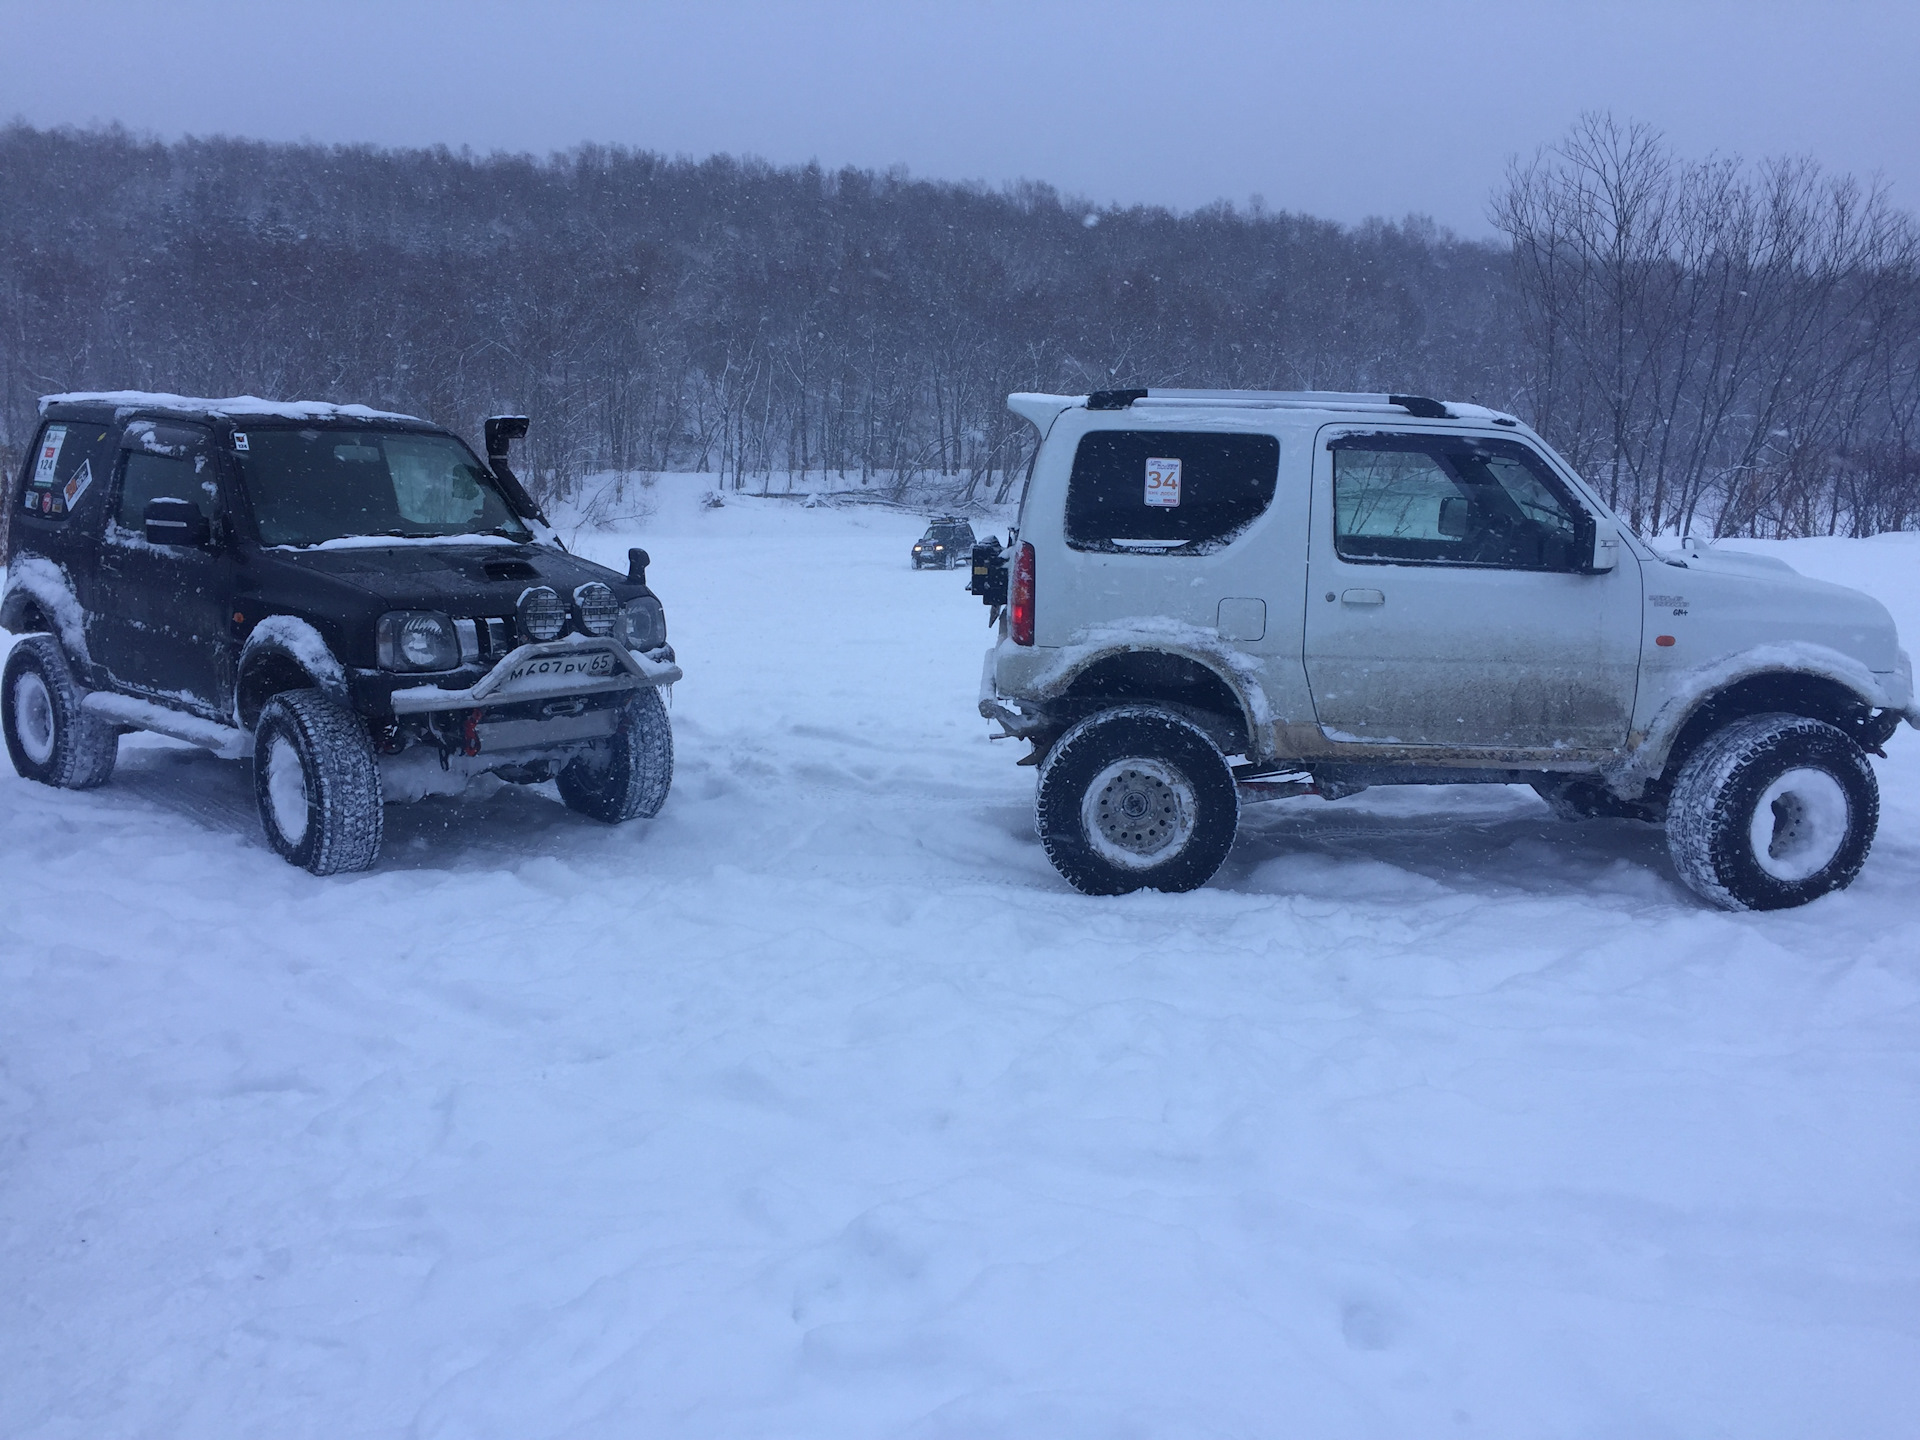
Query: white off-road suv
[{"x": 1218, "y": 596}]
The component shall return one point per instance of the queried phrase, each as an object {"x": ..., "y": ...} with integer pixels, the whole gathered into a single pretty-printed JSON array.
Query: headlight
[
  {"x": 416, "y": 640},
  {"x": 644, "y": 624},
  {"x": 595, "y": 609},
  {"x": 541, "y": 613}
]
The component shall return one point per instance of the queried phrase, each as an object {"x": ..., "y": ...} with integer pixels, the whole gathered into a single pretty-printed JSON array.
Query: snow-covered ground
[{"x": 820, "y": 1106}]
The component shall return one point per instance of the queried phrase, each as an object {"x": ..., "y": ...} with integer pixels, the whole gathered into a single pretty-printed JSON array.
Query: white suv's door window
[
  {"x": 1175, "y": 492},
  {"x": 1443, "y": 500}
]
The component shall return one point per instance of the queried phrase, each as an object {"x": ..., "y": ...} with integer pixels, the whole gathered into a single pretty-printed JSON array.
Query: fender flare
[
  {"x": 1648, "y": 757},
  {"x": 36, "y": 579},
  {"x": 1154, "y": 635},
  {"x": 285, "y": 641}
]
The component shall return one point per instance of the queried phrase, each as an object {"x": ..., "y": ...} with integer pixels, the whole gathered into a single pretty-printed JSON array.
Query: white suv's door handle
[{"x": 1362, "y": 597}]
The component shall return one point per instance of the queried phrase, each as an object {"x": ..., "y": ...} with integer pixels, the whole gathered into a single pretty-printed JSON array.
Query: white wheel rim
[
  {"x": 1800, "y": 824},
  {"x": 287, "y": 790},
  {"x": 1139, "y": 813},
  {"x": 33, "y": 717}
]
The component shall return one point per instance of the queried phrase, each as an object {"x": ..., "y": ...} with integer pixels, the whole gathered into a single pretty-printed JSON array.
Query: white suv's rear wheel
[
  {"x": 1136, "y": 798},
  {"x": 1772, "y": 812}
]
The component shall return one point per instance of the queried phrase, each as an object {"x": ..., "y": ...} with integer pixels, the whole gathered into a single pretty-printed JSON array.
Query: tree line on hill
[{"x": 1733, "y": 349}]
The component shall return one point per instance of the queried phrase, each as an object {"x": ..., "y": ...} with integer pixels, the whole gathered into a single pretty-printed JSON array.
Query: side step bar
[{"x": 226, "y": 741}]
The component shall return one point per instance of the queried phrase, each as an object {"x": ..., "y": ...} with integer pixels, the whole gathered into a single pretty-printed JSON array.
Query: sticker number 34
[{"x": 1163, "y": 483}]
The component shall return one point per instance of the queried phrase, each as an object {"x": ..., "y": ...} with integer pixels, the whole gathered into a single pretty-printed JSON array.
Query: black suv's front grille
[{"x": 485, "y": 638}]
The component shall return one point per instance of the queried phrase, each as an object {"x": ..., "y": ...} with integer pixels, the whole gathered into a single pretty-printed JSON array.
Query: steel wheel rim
[
  {"x": 1139, "y": 813},
  {"x": 1800, "y": 824},
  {"x": 287, "y": 790},
  {"x": 33, "y": 717}
]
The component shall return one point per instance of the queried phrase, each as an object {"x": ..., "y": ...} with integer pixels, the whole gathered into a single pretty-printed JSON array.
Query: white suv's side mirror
[{"x": 1606, "y": 550}]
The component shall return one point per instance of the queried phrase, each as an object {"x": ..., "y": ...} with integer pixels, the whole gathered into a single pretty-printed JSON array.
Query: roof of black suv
[{"x": 124, "y": 404}]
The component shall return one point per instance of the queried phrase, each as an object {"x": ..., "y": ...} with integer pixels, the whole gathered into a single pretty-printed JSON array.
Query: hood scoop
[{"x": 510, "y": 570}]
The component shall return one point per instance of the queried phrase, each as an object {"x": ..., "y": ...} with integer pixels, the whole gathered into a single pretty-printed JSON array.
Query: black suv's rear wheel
[
  {"x": 317, "y": 783},
  {"x": 50, "y": 736},
  {"x": 1136, "y": 798},
  {"x": 627, "y": 776},
  {"x": 1772, "y": 812}
]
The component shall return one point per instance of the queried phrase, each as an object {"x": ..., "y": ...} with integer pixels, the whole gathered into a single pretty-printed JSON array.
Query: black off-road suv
[
  {"x": 947, "y": 543},
  {"x": 351, "y": 598}
]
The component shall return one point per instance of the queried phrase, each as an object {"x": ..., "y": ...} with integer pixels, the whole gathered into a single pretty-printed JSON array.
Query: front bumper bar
[{"x": 573, "y": 666}]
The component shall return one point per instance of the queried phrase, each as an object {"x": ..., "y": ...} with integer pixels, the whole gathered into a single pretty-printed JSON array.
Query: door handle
[{"x": 1362, "y": 597}]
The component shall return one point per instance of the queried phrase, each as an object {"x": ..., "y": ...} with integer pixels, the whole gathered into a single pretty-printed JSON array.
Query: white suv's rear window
[{"x": 1176, "y": 492}]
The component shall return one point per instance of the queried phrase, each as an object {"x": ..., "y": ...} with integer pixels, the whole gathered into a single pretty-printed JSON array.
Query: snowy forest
[{"x": 1722, "y": 348}]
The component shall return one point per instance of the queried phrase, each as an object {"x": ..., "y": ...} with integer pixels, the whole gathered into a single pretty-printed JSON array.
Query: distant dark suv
[
  {"x": 947, "y": 543},
  {"x": 352, "y": 598}
]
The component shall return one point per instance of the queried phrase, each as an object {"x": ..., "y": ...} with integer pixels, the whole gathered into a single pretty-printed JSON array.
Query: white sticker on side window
[
  {"x": 1163, "y": 483},
  {"x": 240, "y": 440},
  {"x": 77, "y": 483},
  {"x": 49, "y": 456}
]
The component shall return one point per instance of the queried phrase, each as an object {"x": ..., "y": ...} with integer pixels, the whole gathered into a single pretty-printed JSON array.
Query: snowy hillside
[{"x": 820, "y": 1106}]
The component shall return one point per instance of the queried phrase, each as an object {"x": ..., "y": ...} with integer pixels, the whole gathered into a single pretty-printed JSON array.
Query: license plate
[{"x": 556, "y": 672}]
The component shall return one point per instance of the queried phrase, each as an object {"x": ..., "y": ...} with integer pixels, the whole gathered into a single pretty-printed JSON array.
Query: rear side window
[
  {"x": 1167, "y": 491},
  {"x": 67, "y": 470}
]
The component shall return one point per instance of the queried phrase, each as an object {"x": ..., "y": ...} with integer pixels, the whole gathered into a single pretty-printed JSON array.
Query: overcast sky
[{"x": 1341, "y": 110}]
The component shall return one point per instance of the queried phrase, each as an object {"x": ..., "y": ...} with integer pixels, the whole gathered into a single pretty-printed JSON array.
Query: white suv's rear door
[{"x": 1448, "y": 602}]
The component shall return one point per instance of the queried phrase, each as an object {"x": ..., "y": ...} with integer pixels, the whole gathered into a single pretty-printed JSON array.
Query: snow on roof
[{"x": 230, "y": 407}]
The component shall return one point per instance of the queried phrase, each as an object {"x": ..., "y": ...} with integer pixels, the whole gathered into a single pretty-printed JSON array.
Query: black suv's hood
[
  {"x": 342, "y": 591},
  {"x": 458, "y": 579}
]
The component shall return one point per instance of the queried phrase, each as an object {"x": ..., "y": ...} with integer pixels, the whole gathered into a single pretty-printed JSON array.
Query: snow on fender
[
  {"x": 46, "y": 584},
  {"x": 296, "y": 640}
]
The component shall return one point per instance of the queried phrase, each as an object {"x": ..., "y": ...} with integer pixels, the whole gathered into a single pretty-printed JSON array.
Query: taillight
[{"x": 1020, "y": 612}]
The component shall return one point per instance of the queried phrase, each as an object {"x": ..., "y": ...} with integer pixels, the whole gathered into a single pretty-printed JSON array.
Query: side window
[
  {"x": 163, "y": 462},
  {"x": 156, "y": 477},
  {"x": 1167, "y": 491},
  {"x": 67, "y": 470},
  {"x": 1451, "y": 500}
]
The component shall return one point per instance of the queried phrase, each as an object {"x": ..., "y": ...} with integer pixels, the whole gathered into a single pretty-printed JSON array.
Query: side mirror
[
  {"x": 169, "y": 521},
  {"x": 1605, "y": 552},
  {"x": 1456, "y": 517}
]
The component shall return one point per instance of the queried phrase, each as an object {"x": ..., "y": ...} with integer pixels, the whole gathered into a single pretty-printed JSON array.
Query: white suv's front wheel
[
  {"x": 1136, "y": 798},
  {"x": 1771, "y": 812}
]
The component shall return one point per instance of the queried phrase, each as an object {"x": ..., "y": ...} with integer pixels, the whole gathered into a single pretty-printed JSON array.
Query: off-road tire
[
  {"x": 312, "y": 755},
  {"x": 1732, "y": 855},
  {"x": 50, "y": 735},
  {"x": 1187, "y": 810},
  {"x": 626, "y": 776}
]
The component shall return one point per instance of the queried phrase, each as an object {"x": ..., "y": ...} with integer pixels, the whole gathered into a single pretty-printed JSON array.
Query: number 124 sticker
[{"x": 1163, "y": 483}]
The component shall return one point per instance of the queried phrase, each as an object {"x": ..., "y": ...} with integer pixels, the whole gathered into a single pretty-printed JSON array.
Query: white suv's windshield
[{"x": 312, "y": 486}]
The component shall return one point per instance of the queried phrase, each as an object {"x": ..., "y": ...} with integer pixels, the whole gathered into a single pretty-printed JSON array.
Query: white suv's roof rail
[{"x": 1042, "y": 408}]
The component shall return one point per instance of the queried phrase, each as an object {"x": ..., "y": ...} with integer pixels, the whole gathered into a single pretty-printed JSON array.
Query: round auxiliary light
[
  {"x": 595, "y": 609},
  {"x": 541, "y": 613}
]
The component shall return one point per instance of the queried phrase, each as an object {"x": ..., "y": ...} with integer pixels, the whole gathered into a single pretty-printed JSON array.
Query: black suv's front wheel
[
  {"x": 50, "y": 736},
  {"x": 1136, "y": 798},
  {"x": 627, "y": 776},
  {"x": 317, "y": 782}
]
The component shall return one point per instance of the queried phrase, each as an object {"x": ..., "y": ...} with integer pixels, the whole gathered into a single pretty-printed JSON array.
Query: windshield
[{"x": 312, "y": 486}]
